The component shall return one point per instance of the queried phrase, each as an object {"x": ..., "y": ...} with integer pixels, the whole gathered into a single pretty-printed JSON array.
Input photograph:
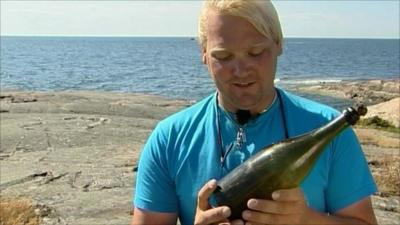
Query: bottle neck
[
  {"x": 332, "y": 129},
  {"x": 310, "y": 145}
]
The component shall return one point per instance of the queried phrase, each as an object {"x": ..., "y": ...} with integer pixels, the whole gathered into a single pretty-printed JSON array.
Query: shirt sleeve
[
  {"x": 155, "y": 189},
  {"x": 350, "y": 178}
]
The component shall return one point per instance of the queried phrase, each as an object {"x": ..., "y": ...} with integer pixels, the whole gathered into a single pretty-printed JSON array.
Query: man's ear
[
  {"x": 280, "y": 50},
  {"x": 203, "y": 56}
]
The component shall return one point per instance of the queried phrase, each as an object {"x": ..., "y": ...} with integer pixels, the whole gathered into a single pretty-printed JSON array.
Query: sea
[{"x": 171, "y": 66}]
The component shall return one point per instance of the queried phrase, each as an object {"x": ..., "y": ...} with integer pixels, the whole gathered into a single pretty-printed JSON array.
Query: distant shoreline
[
  {"x": 369, "y": 91},
  {"x": 379, "y": 90}
]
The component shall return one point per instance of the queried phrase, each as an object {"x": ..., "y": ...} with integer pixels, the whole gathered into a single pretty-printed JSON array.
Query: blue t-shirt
[{"x": 184, "y": 152}]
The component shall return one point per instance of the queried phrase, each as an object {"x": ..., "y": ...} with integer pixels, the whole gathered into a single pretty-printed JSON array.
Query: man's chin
[{"x": 245, "y": 105}]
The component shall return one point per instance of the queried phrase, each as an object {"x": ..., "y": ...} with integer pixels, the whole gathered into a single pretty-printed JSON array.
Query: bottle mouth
[
  {"x": 362, "y": 110},
  {"x": 352, "y": 115}
]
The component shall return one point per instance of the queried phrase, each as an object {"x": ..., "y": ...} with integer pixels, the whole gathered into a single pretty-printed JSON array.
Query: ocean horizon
[
  {"x": 171, "y": 66},
  {"x": 175, "y": 36}
]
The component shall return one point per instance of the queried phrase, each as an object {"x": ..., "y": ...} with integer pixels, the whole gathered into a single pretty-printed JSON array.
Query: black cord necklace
[
  {"x": 242, "y": 117},
  {"x": 283, "y": 114}
]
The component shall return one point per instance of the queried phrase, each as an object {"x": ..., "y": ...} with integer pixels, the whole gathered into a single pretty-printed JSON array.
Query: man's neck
[{"x": 252, "y": 112}]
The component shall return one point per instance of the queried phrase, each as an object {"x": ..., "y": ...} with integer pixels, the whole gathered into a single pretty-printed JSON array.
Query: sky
[{"x": 327, "y": 19}]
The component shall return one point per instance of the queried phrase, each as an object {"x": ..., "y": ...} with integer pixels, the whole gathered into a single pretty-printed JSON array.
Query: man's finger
[
  {"x": 272, "y": 207},
  {"x": 288, "y": 195},
  {"x": 215, "y": 215},
  {"x": 204, "y": 194},
  {"x": 237, "y": 222}
]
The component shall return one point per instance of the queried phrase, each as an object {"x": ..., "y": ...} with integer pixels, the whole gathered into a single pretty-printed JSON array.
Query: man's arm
[
  {"x": 361, "y": 210},
  {"x": 142, "y": 217},
  {"x": 289, "y": 207}
]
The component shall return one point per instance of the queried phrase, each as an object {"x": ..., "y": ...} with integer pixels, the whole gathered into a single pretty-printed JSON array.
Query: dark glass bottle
[{"x": 279, "y": 166}]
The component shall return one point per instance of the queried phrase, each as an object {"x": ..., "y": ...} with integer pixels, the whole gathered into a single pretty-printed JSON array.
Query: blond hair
[{"x": 260, "y": 13}]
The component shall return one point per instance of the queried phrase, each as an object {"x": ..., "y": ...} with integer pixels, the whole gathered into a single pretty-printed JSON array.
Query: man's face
[{"x": 241, "y": 61}]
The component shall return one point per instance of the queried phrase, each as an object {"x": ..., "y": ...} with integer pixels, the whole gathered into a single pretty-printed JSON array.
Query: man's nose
[{"x": 240, "y": 68}]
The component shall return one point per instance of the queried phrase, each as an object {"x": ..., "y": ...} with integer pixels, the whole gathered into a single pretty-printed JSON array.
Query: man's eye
[
  {"x": 222, "y": 56},
  {"x": 256, "y": 52}
]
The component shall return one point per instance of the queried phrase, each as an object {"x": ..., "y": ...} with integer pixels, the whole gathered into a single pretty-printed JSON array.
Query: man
[{"x": 187, "y": 152}]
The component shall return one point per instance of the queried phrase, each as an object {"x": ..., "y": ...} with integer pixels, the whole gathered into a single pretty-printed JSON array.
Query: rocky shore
[
  {"x": 71, "y": 155},
  {"x": 383, "y": 96},
  {"x": 368, "y": 92}
]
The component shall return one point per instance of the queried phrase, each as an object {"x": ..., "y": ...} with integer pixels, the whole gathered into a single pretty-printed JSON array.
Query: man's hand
[
  {"x": 287, "y": 207},
  {"x": 207, "y": 215}
]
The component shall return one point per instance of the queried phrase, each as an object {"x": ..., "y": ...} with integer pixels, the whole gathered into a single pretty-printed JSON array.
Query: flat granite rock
[{"x": 74, "y": 153}]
